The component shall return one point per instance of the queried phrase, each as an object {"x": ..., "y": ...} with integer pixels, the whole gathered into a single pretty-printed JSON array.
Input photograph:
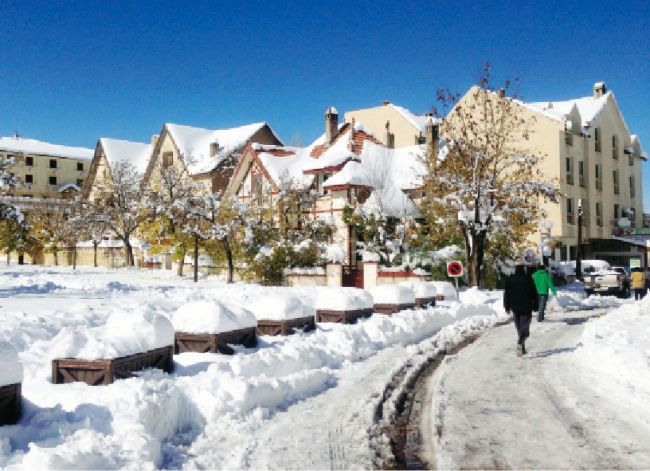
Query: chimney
[
  {"x": 431, "y": 136},
  {"x": 386, "y": 102},
  {"x": 390, "y": 137},
  {"x": 331, "y": 125},
  {"x": 214, "y": 148},
  {"x": 154, "y": 140},
  {"x": 599, "y": 89}
]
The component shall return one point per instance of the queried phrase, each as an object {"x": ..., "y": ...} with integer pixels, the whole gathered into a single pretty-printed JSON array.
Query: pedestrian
[
  {"x": 544, "y": 284},
  {"x": 520, "y": 297},
  {"x": 638, "y": 283}
]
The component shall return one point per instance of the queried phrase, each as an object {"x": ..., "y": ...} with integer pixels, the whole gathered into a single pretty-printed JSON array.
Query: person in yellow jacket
[{"x": 638, "y": 283}]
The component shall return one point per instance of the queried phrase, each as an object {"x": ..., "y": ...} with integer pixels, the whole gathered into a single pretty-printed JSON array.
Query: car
[{"x": 613, "y": 281}]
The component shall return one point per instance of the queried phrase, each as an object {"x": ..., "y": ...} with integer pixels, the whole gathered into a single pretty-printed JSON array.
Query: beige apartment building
[
  {"x": 46, "y": 171},
  {"x": 394, "y": 125}
]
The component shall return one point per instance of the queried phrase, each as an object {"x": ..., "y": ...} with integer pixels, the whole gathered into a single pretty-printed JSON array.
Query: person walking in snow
[
  {"x": 638, "y": 283},
  {"x": 520, "y": 298},
  {"x": 544, "y": 284}
]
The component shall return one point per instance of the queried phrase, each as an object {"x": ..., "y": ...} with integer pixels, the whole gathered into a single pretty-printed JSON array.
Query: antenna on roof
[{"x": 17, "y": 135}]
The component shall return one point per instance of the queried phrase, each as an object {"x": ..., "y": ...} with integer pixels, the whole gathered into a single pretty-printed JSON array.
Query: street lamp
[
  {"x": 579, "y": 248},
  {"x": 545, "y": 240}
]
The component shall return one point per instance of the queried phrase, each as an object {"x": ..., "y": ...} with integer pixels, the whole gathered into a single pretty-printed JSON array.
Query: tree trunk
[
  {"x": 74, "y": 257},
  {"x": 475, "y": 252},
  {"x": 231, "y": 266},
  {"x": 56, "y": 258},
  {"x": 8, "y": 258},
  {"x": 196, "y": 258},
  {"x": 181, "y": 264},
  {"x": 129, "y": 252},
  {"x": 95, "y": 245}
]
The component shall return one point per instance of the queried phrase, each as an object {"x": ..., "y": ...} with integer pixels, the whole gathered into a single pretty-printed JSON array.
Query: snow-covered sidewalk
[{"x": 578, "y": 400}]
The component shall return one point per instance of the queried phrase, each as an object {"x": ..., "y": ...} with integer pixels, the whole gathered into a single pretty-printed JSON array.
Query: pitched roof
[
  {"x": 32, "y": 146},
  {"x": 194, "y": 143},
  {"x": 588, "y": 107},
  {"x": 135, "y": 153}
]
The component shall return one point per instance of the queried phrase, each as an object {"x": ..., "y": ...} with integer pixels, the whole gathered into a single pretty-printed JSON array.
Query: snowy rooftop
[
  {"x": 135, "y": 153},
  {"x": 194, "y": 143},
  {"x": 416, "y": 120},
  {"x": 588, "y": 107},
  {"x": 32, "y": 146}
]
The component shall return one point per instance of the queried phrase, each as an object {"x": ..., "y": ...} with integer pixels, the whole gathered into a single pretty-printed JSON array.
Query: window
[
  {"x": 569, "y": 170},
  {"x": 79, "y": 182},
  {"x": 29, "y": 161},
  {"x": 80, "y": 166},
  {"x": 168, "y": 159},
  {"x": 599, "y": 214},
  {"x": 597, "y": 139},
  {"x": 599, "y": 181},
  {"x": 631, "y": 214},
  {"x": 615, "y": 147},
  {"x": 53, "y": 163},
  {"x": 632, "y": 188},
  {"x": 581, "y": 173},
  {"x": 615, "y": 179},
  {"x": 570, "y": 218},
  {"x": 616, "y": 211},
  {"x": 52, "y": 180},
  {"x": 29, "y": 178}
]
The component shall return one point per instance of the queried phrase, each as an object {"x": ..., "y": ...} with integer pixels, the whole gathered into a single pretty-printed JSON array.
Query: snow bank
[
  {"x": 125, "y": 333},
  {"x": 615, "y": 349},
  {"x": 446, "y": 289},
  {"x": 210, "y": 317},
  {"x": 11, "y": 370},
  {"x": 281, "y": 307},
  {"x": 392, "y": 294},
  {"x": 334, "y": 253},
  {"x": 422, "y": 289},
  {"x": 343, "y": 299}
]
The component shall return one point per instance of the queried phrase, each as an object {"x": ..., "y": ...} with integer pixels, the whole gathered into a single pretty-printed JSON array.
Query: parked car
[{"x": 613, "y": 281}]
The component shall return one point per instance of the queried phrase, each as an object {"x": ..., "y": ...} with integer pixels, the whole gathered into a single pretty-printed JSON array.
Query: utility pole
[{"x": 579, "y": 248}]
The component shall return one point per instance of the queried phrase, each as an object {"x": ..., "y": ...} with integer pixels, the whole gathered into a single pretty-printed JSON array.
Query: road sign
[{"x": 454, "y": 269}]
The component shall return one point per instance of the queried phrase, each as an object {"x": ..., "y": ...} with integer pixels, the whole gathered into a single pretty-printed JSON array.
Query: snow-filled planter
[
  {"x": 129, "y": 342},
  {"x": 11, "y": 376},
  {"x": 343, "y": 305},
  {"x": 282, "y": 315},
  {"x": 445, "y": 291},
  {"x": 210, "y": 327},
  {"x": 425, "y": 293},
  {"x": 389, "y": 299}
]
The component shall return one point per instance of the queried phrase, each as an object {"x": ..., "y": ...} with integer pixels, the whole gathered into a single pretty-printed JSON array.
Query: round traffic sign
[{"x": 455, "y": 269}]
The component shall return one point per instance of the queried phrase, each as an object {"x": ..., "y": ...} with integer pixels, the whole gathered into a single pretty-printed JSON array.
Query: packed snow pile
[
  {"x": 422, "y": 289},
  {"x": 392, "y": 294},
  {"x": 281, "y": 307},
  {"x": 126, "y": 332},
  {"x": 446, "y": 289},
  {"x": 11, "y": 370},
  {"x": 334, "y": 253},
  {"x": 210, "y": 317},
  {"x": 615, "y": 349},
  {"x": 343, "y": 299}
]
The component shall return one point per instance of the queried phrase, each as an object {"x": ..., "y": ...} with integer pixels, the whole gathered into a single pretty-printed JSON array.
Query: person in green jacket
[{"x": 543, "y": 283}]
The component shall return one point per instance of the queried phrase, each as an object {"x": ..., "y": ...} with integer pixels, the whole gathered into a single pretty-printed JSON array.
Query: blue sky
[{"x": 75, "y": 71}]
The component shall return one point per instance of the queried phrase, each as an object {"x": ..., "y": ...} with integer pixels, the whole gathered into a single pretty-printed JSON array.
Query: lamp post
[
  {"x": 579, "y": 248},
  {"x": 545, "y": 239}
]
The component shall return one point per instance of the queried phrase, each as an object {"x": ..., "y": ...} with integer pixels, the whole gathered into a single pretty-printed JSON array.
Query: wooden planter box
[
  {"x": 286, "y": 327},
  {"x": 392, "y": 308},
  {"x": 425, "y": 302},
  {"x": 10, "y": 404},
  {"x": 94, "y": 372},
  {"x": 342, "y": 317},
  {"x": 215, "y": 343}
]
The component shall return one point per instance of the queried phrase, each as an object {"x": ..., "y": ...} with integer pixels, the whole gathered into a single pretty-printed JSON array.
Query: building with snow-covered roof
[
  {"x": 44, "y": 168},
  {"x": 394, "y": 125},
  {"x": 590, "y": 153},
  {"x": 348, "y": 166},
  {"x": 208, "y": 156},
  {"x": 108, "y": 154}
]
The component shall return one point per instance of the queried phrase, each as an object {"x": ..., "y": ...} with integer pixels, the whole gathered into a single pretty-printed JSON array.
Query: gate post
[
  {"x": 370, "y": 270},
  {"x": 334, "y": 274}
]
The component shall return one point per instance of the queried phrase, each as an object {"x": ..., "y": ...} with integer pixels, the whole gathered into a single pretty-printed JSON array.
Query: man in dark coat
[{"x": 520, "y": 297}]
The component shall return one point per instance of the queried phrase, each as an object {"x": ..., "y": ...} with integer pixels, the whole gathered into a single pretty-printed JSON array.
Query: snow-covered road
[{"x": 493, "y": 410}]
